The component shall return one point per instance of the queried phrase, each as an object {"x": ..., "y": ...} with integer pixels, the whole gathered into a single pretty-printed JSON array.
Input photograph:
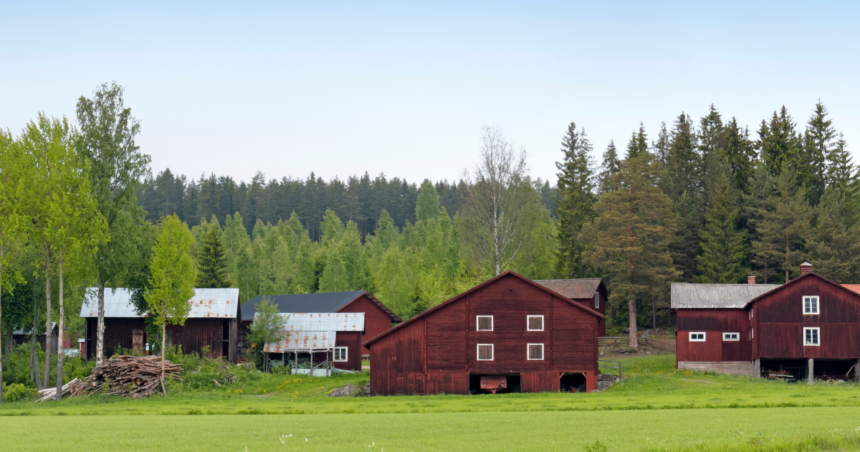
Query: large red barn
[
  {"x": 809, "y": 326},
  {"x": 508, "y": 326}
]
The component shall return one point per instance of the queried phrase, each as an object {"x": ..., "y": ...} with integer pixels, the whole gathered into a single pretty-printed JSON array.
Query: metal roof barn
[
  {"x": 206, "y": 303},
  {"x": 716, "y": 296},
  {"x": 314, "y": 331}
]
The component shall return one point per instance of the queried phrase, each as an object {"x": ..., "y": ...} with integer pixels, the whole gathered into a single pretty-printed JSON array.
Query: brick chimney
[
  {"x": 805, "y": 268},
  {"x": 751, "y": 279}
]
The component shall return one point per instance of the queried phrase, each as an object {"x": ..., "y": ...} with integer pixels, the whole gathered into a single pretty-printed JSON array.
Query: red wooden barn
[
  {"x": 807, "y": 327},
  {"x": 211, "y": 322},
  {"x": 377, "y": 318},
  {"x": 589, "y": 292},
  {"x": 508, "y": 330}
]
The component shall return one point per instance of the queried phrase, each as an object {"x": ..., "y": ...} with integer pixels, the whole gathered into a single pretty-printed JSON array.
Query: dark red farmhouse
[
  {"x": 509, "y": 326},
  {"x": 589, "y": 292},
  {"x": 377, "y": 318},
  {"x": 808, "y": 327}
]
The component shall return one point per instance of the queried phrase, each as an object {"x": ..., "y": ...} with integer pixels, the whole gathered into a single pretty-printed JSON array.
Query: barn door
[{"x": 137, "y": 341}]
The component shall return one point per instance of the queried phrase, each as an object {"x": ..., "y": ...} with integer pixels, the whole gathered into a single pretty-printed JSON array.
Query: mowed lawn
[
  {"x": 656, "y": 407},
  {"x": 560, "y": 430}
]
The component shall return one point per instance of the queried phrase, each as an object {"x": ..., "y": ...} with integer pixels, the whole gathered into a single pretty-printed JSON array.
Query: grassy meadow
[{"x": 654, "y": 408}]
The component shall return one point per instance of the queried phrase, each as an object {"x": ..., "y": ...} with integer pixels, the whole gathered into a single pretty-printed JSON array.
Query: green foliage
[
  {"x": 427, "y": 203},
  {"x": 212, "y": 262},
  {"x": 576, "y": 201},
  {"x": 268, "y": 326},
  {"x": 834, "y": 245},
  {"x": 16, "y": 392},
  {"x": 723, "y": 248}
]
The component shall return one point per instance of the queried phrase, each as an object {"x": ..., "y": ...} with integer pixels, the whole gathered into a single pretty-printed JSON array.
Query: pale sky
[{"x": 405, "y": 88}]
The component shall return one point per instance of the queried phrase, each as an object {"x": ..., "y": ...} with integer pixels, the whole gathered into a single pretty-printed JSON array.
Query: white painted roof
[{"x": 206, "y": 303}]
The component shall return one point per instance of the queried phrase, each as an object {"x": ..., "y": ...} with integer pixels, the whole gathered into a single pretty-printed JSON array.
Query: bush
[{"x": 16, "y": 392}]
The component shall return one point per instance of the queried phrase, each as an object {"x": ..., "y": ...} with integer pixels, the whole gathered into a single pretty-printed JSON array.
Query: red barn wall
[
  {"x": 118, "y": 332},
  {"x": 714, "y": 322},
  {"x": 589, "y": 302},
  {"x": 778, "y": 322},
  {"x": 198, "y": 333},
  {"x": 397, "y": 362},
  {"x": 376, "y": 321},
  {"x": 351, "y": 340}
]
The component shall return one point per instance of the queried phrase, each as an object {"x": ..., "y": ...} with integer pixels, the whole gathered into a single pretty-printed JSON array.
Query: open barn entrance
[
  {"x": 792, "y": 370},
  {"x": 493, "y": 384},
  {"x": 572, "y": 382}
]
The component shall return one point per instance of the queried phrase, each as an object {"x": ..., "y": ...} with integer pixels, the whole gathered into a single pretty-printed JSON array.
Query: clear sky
[{"x": 405, "y": 88}]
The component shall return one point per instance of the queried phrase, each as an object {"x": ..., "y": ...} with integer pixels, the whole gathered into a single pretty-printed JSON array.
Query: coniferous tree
[
  {"x": 685, "y": 162},
  {"x": 575, "y": 201},
  {"x": 661, "y": 146},
  {"x": 818, "y": 144},
  {"x": 608, "y": 169},
  {"x": 778, "y": 141},
  {"x": 711, "y": 134},
  {"x": 834, "y": 245},
  {"x": 723, "y": 248},
  {"x": 842, "y": 173},
  {"x": 212, "y": 262},
  {"x": 739, "y": 153},
  {"x": 638, "y": 144}
]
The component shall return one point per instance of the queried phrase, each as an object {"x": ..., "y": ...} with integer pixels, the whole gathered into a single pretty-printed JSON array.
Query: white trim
[
  {"x": 597, "y": 300},
  {"x": 529, "y": 317},
  {"x": 816, "y": 336},
  {"x": 492, "y": 352},
  {"x": 344, "y": 353},
  {"x": 528, "y": 355},
  {"x": 733, "y": 337},
  {"x": 811, "y": 298},
  {"x": 478, "y": 322},
  {"x": 694, "y": 338}
]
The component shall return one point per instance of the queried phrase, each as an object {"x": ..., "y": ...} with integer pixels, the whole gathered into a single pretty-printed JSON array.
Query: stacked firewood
[{"x": 128, "y": 376}]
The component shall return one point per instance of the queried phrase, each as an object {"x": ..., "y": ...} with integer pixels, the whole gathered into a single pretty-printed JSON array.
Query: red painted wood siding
[
  {"x": 436, "y": 353},
  {"x": 352, "y": 340},
  {"x": 376, "y": 321},
  {"x": 589, "y": 302},
  {"x": 198, "y": 333},
  {"x": 778, "y": 321},
  {"x": 713, "y": 322}
]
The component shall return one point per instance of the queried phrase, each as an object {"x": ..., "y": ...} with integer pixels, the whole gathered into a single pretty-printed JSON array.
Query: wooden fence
[{"x": 659, "y": 344}]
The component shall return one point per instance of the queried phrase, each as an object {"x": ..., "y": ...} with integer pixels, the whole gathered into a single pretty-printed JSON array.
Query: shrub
[{"x": 16, "y": 392}]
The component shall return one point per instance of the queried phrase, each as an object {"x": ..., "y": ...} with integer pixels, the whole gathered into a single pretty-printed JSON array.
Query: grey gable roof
[
  {"x": 716, "y": 296},
  {"x": 311, "y": 302},
  {"x": 572, "y": 288}
]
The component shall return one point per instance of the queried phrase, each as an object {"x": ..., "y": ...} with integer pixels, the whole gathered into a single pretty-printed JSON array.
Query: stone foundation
[{"x": 744, "y": 368}]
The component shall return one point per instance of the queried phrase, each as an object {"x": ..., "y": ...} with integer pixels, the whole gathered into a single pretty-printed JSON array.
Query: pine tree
[
  {"x": 212, "y": 262},
  {"x": 723, "y": 248},
  {"x": 661, "y": 146},
  {"x": 778, "y": 141},
  {"x": 427, "y": 204},
  {"x": 608, "y": 169},
  {"x": 638, "y": 144},
  {"x": 841, "y": 172},
  {"x": 739, "y": 153},
  {"x": 685, "y": 162},
  {"x": 818, "y": 146},
  {"x": 834, "y": 245},
  {"x": 711, "y": 134},
  {"x": 575, "y": 201},
  {"x": 685, "y": 243},
  {"x": 629, "y": 240}
]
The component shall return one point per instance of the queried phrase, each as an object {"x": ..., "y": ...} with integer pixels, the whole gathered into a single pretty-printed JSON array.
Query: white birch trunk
[
  {"x": 46, "y": 380},
  {"x": 60, "y": 334}
]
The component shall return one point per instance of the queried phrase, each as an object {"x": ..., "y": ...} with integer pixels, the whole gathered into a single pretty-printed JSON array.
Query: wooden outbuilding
[
  {"x": 212, "y": 322},
  {"x": 508, "y": 330},
  {"x": 808, "y": 327},
  {"x": 377, "y": 316},
  {"x": 22, "y": 336},
  {"x": 319, "y": 338},
  {"x": 590, "y": 292}
]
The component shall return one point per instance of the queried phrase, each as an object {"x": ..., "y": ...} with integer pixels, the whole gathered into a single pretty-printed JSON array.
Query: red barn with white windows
[
  {"x": 508, "y": 333},
  {"x": 807, "y": 327}
]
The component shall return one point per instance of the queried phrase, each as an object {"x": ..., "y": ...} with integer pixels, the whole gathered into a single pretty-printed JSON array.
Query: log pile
[
  {"x": 50, "y": 393},
  {"x": 128, "y": 376}
]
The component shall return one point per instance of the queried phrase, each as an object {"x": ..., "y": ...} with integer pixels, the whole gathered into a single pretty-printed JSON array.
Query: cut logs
[
  {"x": 50, "y": 393},
  {"x": 128, "y": 376}
]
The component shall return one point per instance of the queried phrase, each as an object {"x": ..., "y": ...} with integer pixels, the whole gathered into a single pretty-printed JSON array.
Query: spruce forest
[{"x": 705, "y": 200}]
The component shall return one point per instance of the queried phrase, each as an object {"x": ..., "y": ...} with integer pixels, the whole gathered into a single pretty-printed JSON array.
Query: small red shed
[{"x": 508, "y": 326}]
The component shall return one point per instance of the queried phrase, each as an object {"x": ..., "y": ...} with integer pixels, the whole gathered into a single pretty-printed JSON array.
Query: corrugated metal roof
[
  {"x": 713, "y": 296},
  {"x": 572, "y": 288},
  {"x": 206, "y": 303},
  {"x": 303, "y": 302},
  {"x": 314, "y": 331},
  {"x": 297, "y": 341}
]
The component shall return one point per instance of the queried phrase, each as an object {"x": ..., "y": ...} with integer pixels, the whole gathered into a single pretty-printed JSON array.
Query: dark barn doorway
[{"x": 572, "y": 382}]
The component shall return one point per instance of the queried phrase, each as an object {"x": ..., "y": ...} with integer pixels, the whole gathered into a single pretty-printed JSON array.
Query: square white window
[
  {"x": 697, "y": 337},
  {"x": 341, "y": 354},
  {"x": 534, "y": 323},
  {"x": 597, "y": 301},
  {"x": 810, "y": 305},
  {"x": 485, "y": 352},
  {"x": 485, "y": 323},
  {"x": 811, "y": 336},
  {"x": 731, "y": 336},
  {"x": 535, "y": 352}
]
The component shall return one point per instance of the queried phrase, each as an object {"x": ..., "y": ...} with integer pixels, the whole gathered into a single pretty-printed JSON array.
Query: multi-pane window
[
  {"x": 485, "y": 323},
  {"x": 811, "y": 336},
  {"x": 697, "y": 337},
  {"x": 535, "y": 352},
  {"x": 485, "y": 352},
  {"x": 340, "y": 354},
  {"x": 534, "y": 323},
  {"x": 731, "y": 336},
  {"x": 810, "y": 305}
]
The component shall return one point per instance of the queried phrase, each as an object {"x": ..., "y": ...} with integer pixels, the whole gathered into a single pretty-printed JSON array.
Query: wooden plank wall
[
  {"x": 395, "y": 361},
  {"x": 376, "y": 321},
  {"x": 197, "y": 333},
  {"x": 352, "y": 340},
  {"x": 713, "y": 322},
  {"x": 118, "y": 332},
  {"x": 778, "y": 321}
]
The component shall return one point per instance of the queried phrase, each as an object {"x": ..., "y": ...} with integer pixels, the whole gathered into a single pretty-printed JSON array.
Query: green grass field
[{"x": 656, "y": 407}]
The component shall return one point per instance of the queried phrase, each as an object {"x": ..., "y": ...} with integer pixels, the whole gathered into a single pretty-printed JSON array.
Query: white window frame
[
  {"x": 478, "y": 323},
  {"x": 728, "y": 337},
  {"x": 529, "y": 317},
  {"x": 704, "y": 336},
  {"x": 345, "y": 353},
  {"x": 597, "y": 300},
  {"x": 528, "y": 355},
  {"x": 492, "y": 352},
  {"x": 817, "y": 305},
  {"x": 817, "y": 336}
]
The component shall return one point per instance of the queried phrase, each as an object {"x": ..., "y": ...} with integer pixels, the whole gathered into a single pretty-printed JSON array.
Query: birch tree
[{"x": 502, "y": 208}]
